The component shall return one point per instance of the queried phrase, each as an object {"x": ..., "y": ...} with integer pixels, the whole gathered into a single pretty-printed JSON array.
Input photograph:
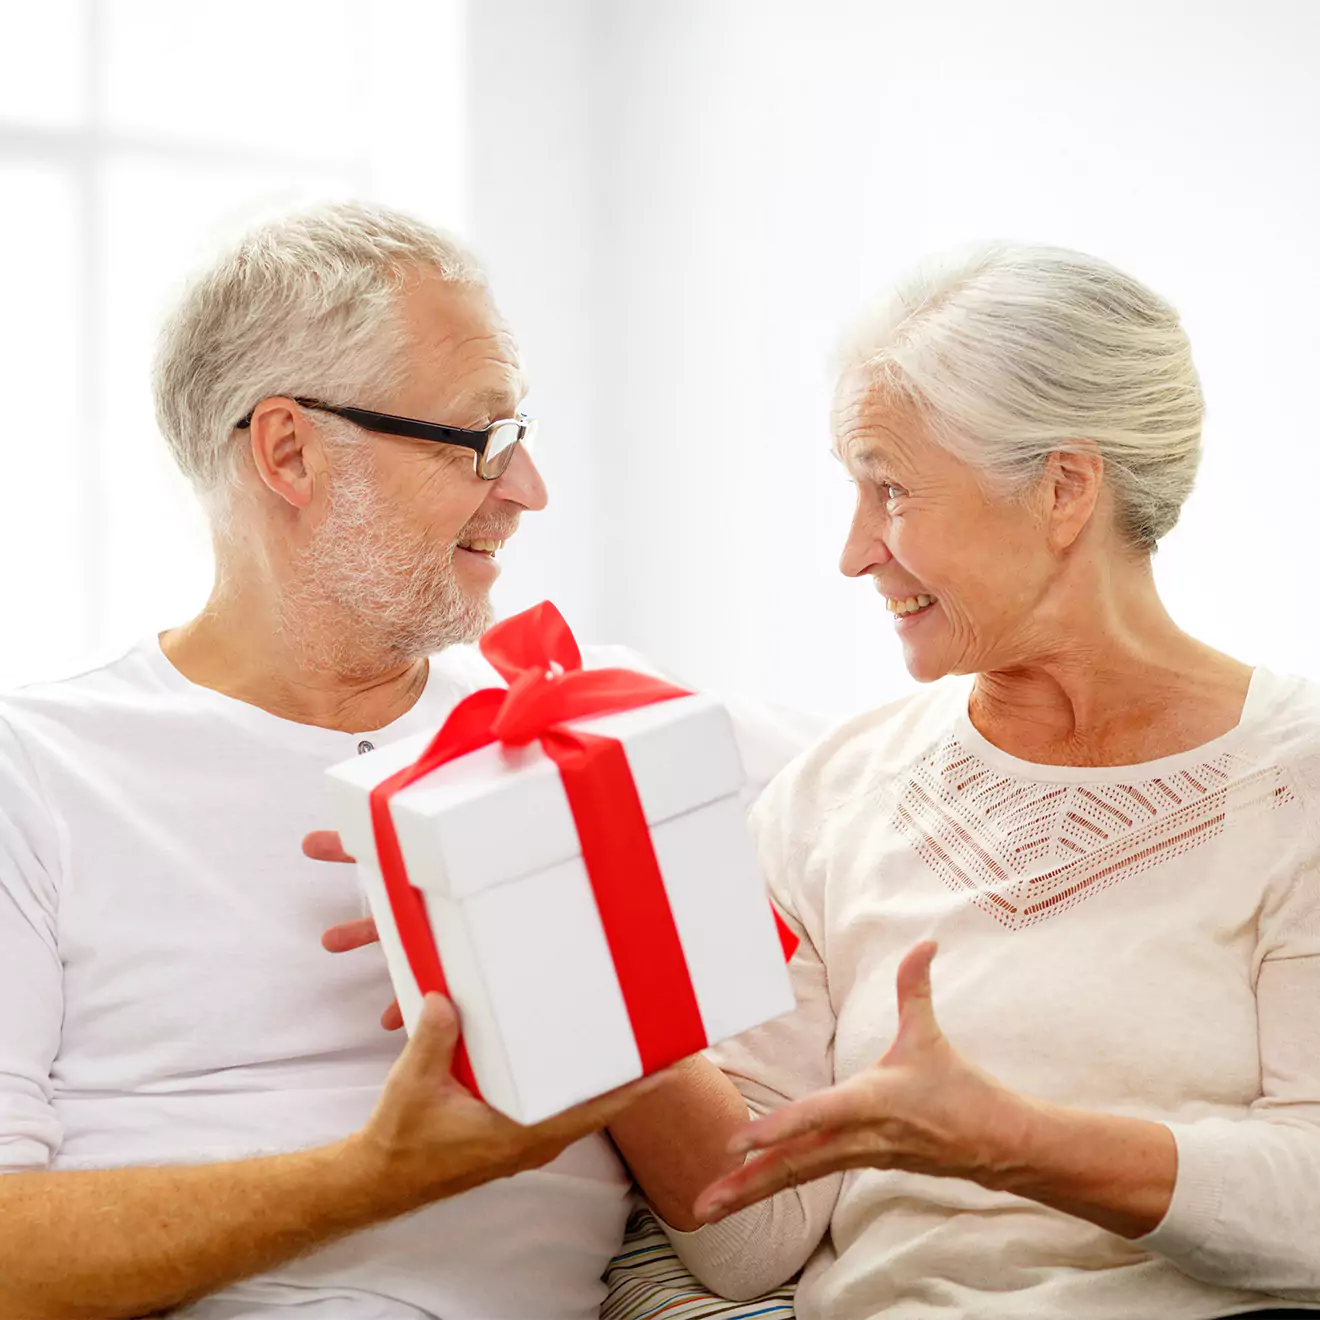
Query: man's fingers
[
  {"x": 435, "y": 1037},
  {"x": 325, "y": 846},
  {"x": 592, "y": 1115},
  {"x": 349, "y": 935}
]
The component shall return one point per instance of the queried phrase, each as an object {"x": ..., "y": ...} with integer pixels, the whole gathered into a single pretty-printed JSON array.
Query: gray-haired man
[{"x": 191, "y": 1102}]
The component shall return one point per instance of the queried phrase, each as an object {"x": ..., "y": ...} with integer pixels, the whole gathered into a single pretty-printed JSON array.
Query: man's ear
[
  {"x": 287, "y": 451},
  {"x": 1072, "y": 486}
]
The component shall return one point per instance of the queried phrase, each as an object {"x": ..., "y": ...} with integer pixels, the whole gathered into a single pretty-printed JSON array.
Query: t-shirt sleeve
[
  {"x": 772, "y": 1065},
  {"x": 31, "y": 978},
  {"x": 1246, "y": 1204}
]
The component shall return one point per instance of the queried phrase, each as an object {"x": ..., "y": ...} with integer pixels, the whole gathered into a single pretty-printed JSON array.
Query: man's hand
[
  {"x": 150, "y": 1239},
  {"x": 431, "y": 1137},
  {"x": 429, "y": 1127},
  {"x": 326, "y": 846}
]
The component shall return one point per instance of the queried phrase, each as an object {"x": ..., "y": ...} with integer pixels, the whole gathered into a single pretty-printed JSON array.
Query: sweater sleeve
[
  {"x": 31, "y": 978},
  {"x": 757, "y": 1249},
  {"x": 1246, "y": 1203}
]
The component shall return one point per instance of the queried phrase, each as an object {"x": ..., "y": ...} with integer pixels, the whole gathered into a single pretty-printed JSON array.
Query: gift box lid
[{"x": 500, "y": 814}]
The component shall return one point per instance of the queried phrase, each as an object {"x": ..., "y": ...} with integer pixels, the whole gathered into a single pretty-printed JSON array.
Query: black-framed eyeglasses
[{"x": 493, "y": 446}]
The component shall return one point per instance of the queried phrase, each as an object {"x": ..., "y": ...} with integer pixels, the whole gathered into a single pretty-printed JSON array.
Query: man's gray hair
[
  {"x": 304, "y": 305},
  {"x": 1011, "y": 352}
]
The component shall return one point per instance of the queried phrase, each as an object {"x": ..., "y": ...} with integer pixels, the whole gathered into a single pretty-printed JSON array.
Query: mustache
[{"x": 497, "y": 529}]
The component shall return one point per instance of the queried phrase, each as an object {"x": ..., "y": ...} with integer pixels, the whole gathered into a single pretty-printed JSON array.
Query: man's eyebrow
[{"x": 495, "y": 403}]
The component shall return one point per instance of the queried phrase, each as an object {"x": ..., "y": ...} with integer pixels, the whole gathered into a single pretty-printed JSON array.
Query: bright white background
[{"x": 680, "y": 202}]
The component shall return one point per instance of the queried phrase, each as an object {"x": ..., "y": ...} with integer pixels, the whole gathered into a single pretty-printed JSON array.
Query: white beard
[{"x": 370, "y": 592}]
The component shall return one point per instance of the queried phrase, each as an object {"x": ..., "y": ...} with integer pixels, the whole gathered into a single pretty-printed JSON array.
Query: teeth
[
  {"x": 909, "y": 605},
  {"x": 484, "y": 547}
]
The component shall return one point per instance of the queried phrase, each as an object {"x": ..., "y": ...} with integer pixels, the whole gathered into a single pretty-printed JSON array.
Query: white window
[{"x": 136, "y": 136}]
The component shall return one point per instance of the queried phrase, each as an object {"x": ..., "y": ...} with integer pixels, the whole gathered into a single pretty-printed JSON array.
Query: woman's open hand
[{"x": 923, "y": 1108}]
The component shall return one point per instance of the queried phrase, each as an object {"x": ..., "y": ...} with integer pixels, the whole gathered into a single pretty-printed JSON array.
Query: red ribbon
[{"x": 536, "y": 653}]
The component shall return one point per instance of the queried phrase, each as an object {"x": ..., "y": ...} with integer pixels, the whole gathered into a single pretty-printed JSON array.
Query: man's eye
[{"x": 892, "y": 492}]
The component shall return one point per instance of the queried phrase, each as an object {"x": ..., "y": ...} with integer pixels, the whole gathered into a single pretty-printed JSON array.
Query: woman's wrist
[{"x": 1113, "y": 1171}]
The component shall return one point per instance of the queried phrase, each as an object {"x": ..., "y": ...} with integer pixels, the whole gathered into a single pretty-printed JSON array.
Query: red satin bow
[{"x": 536, "y": 653}]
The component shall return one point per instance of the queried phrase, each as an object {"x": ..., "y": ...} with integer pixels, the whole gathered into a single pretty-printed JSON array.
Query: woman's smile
[{"x": 907, "y": 609}]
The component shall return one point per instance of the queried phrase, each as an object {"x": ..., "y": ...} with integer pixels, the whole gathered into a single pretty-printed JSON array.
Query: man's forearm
[
  {"x": 109, "y": 1243},
  {"x": 675, "y": 1140}
]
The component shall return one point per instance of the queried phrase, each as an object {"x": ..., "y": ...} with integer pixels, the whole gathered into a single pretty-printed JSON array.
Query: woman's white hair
[
  {"x": 304, "y": 305},
  {"x": 1011, "y": 352}
]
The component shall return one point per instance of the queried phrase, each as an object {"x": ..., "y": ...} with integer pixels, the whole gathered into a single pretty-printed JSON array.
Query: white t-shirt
[
  {"x": 1140, "y": 940},
  {"x": 164, "y": 997}
]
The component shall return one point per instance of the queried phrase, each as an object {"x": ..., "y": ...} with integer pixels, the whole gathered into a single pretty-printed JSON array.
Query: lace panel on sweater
[{"x": 1023, "y": 850}]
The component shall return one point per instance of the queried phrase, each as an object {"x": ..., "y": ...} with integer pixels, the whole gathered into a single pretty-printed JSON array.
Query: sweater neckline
[{"x": 1005, "y": 762}]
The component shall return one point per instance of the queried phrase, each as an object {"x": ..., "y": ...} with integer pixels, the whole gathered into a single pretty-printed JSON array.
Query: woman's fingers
[
  {"x": 349, "y": 935},
  {"x": 840, "y": 1109},
  {"x": 325, "y": 846},
  {"x": 916, "y": 1011},
  {"x": 392, "y": 1018},
  {"x": 789, "y": 1164},
  {"x": 913, "y": 980}
]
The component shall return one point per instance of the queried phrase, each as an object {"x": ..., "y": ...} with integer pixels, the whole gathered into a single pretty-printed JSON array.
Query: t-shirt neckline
[
  {"x": 266, "y": 722},
  {"x": 1007, "y": 763}
]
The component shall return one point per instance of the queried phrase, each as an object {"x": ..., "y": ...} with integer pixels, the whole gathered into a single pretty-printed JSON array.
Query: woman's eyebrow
[{"x": 869, "y": 461}]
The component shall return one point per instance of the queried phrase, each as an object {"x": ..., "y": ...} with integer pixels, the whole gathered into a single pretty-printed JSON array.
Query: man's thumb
[{"x": 435, "y": 1037}]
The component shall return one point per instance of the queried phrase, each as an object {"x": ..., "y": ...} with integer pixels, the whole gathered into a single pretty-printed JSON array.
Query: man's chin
[
  {"x": 478, "y": 620},
  {"x": 427, "y": 632},
  {"x": 468, "y": 623}
]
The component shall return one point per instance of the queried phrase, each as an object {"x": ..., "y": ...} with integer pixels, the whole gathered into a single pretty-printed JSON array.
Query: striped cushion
[{"x": 647, "y": 1281}]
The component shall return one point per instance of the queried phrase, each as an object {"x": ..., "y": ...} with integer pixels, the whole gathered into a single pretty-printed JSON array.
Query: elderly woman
[{"x": 1110, "y": 1106}]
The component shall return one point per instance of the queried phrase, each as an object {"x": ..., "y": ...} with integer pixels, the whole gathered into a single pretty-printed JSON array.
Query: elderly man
[{"x": 198, "y": 1109}]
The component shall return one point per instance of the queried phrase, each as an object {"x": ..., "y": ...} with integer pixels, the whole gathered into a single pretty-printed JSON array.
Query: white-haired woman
[{"x": 1110, "y": 1106}]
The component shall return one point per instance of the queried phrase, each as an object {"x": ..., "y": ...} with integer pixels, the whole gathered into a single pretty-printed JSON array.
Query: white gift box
[{"x": 490, "y": 841}]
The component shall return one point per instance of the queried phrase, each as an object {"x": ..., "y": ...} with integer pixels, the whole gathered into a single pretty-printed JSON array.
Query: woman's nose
[{"x": 864, "y": 550}]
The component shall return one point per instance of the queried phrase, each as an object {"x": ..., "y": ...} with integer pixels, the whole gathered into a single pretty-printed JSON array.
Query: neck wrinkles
[
  {"x": 304, "y": 674},
  {"x": 1109, "y": 678}
]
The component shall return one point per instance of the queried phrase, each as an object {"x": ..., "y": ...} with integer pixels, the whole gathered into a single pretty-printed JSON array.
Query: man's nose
[{"x": 521, "y": 483}]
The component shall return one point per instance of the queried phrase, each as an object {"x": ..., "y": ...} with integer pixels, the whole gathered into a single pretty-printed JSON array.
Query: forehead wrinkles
[
  {"x": 457, "y": 325},
  {"x": 469, "y": 348},
  {"x": 482, "y": 372},
  {"x": 864, "y": 411},
  {"x": 848, "y": 422},
  {"x": 865, "y": 437}
]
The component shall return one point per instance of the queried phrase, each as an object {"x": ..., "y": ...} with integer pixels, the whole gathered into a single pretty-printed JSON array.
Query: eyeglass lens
[{"x": 501, "y": 443}]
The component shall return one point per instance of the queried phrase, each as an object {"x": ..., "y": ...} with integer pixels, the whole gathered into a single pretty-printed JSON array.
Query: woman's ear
[
  {"x": 1071, "y": 489},
  {"x": 286, "y": 450}
]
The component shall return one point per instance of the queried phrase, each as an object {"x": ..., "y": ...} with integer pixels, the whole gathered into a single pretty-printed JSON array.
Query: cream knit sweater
[{"x": 1140, "y": 940}]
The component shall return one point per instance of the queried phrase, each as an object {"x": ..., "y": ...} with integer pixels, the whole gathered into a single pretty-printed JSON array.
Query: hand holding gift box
[{"x": 568, "y": 861}]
